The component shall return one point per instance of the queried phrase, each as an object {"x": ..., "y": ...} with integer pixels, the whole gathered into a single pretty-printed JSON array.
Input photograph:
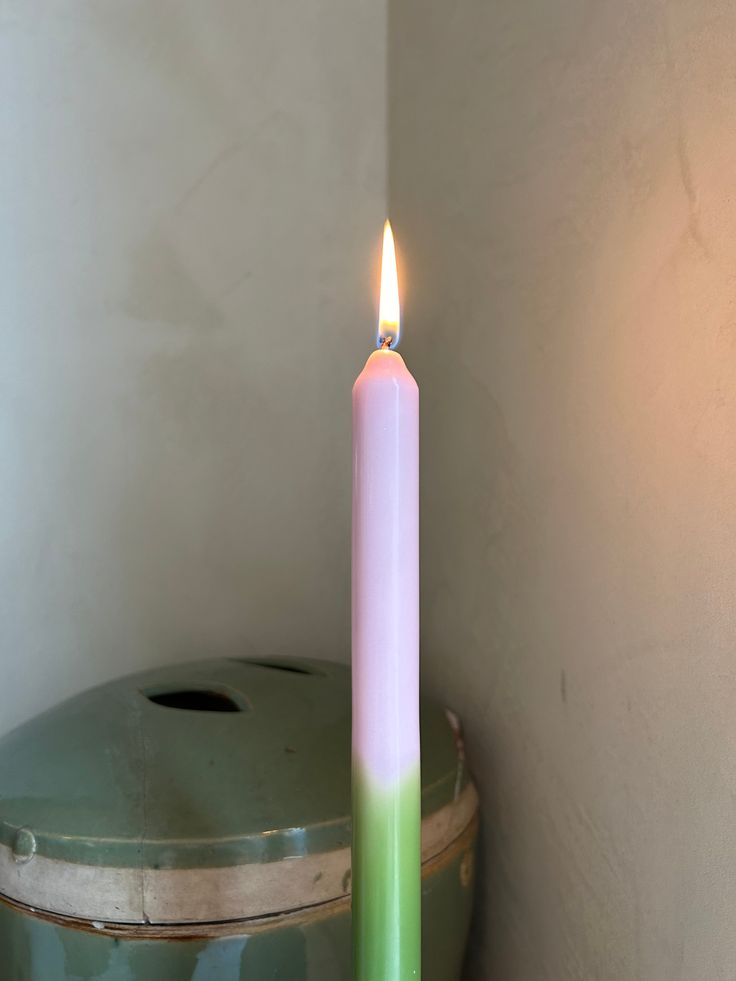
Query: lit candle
[{"x": 385, "y": 653}]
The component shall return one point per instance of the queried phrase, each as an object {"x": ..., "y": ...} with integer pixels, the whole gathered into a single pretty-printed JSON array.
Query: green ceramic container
[{"x": 192, "y": 823}]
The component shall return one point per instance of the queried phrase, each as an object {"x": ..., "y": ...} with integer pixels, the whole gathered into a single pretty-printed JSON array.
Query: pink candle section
[{"x": 385, "y": 614}]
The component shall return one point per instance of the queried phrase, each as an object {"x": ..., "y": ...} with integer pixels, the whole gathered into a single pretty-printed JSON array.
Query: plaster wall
[
  {"x": 186, "y": 192},
  {"x": 561, "y": 180}
]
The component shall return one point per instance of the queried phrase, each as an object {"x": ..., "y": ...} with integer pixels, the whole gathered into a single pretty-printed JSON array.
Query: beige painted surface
[
  {"x": 562, "y": 182},
  {"x": 187, "y": 191}
]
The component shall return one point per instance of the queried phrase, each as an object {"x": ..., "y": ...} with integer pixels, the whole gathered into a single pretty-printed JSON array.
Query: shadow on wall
[{"x": 467, "y": 516}]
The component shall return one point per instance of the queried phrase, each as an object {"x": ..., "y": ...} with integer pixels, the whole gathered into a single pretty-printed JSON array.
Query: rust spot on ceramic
[
  {"x": 466, "y": 868},
  {"x": 456, "y": 726}
]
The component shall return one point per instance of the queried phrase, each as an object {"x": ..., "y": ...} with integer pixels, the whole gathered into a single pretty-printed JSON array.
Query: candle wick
[{"x": 385, "y": 343}]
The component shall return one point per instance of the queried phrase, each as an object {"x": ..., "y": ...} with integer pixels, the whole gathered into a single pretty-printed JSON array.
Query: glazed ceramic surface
[{"x": 193, "y": 822}]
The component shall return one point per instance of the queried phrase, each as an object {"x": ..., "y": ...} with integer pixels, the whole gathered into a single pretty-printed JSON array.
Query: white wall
[
  {"x": 189, "y": 192},
  {"x": 562, "y": 181}
]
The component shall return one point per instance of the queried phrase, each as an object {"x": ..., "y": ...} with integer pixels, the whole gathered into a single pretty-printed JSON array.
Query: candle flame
[{"x": 389, "y": 313}]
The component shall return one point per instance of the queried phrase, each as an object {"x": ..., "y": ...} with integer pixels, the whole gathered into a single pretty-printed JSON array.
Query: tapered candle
[{"x": 385, "y": 654}]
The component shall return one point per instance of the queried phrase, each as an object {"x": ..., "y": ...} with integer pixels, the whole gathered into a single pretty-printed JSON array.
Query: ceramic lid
[{"x": 219, "y": 767}]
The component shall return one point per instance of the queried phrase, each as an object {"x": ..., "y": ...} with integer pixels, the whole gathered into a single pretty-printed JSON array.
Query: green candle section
[{"x": 387, "y": 884}]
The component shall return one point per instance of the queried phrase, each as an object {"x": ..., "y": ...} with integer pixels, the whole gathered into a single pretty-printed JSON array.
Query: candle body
[{"x": 385, "y": 656}]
